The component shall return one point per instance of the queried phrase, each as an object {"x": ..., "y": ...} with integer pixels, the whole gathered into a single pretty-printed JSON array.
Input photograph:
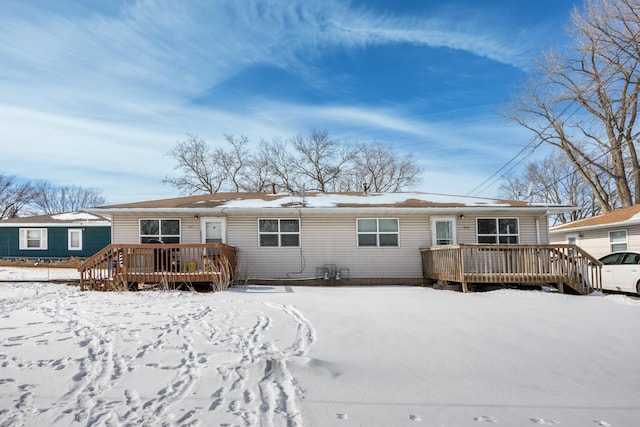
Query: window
[
  {"x": 75, "y": 239},
  {"x": 618, "y": 240},
  {"x": 498, "y": 230},
  {"x": 279, "y": 232},
  {"x": 631, "y": 258},
  {"x": 611, "y": 259},
  {"x": 33, "y": 238},
  {"x": 164, "y": 230},
  {"x": 377, "y": 232}
]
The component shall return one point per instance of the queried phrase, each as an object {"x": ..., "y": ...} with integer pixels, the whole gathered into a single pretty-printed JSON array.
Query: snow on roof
[
  {"x": 324, "y": 200},
  {"x": 75, "y": 216},
  {"x": 57, "y": 220}
]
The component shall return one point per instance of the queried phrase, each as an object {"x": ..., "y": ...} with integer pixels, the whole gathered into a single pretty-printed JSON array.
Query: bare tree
[
  {"x": 553, "y": 180},
  {"x": 313, "y": 162},
  {"x": 277, "y": 156},
  {"x": 202, "y": 173},
  {"x": 377, "y": 168},
  {"x": 321, "y": 160},
  {"x": 585, "y": 103},
  {"x": 51, "y": 199},
  {"x": 235, "y": 162},
  {"x": 258, "y": 174},
  {"x": 14, "y": 196}
]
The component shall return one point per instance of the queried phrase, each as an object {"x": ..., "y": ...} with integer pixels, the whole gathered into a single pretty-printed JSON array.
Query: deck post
[{"x": 465, "y": 289}]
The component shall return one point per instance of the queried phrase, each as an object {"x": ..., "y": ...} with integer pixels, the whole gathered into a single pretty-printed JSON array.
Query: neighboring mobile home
[
  {"x": 614, "y": 231},
  {"x": 74, "y": 234},
  {"x": 361, "y": 237}
]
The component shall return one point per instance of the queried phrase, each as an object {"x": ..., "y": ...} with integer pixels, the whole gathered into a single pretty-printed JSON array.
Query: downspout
[
  {"x": 303, "y": 261},
  {"x": 546, "y": 217}
]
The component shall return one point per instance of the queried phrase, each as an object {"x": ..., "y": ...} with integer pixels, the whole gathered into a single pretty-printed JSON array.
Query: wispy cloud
[
  {"x": 165, "y": 50},
  {"x": 121, "y": 85}
]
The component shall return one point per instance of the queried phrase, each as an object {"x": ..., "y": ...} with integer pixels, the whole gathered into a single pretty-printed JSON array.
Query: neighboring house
[
  {"x": 618, "y": 230},
  {"x": 74, "y": 234},
  {"x": 369, "y": 238}
]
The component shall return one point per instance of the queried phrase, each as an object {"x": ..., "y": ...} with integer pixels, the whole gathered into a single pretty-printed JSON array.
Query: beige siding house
[
  {"x": 614, "y": 231},
  {"x": 361, "y": 237}
]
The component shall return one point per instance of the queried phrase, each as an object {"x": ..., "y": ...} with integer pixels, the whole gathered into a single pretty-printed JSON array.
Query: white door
[
  {"x": 213, "y": 230},
  {"x": 443, "y": 231},
  {"x": 572, "y": 239}
]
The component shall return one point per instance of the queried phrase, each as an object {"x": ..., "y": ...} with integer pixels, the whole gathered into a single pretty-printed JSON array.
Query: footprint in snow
[
  {"x": 132, "y": 398},
  {"x": 602, "y": 423},
  {"x": 342, "y": 416},
  {"x": 415, "y": 417},
  {"x": 542, "y": 421},
  {"x": 485, "y": 419},
  {"x": 249, "y": 396}
]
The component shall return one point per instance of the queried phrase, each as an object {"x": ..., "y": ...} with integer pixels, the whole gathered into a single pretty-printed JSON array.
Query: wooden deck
[
  {"x": 126, "y": 266},
  {"x": 561, "y": 265}
]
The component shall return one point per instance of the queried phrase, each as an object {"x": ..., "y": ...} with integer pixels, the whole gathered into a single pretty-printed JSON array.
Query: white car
[{"x": 621, "y": 272}]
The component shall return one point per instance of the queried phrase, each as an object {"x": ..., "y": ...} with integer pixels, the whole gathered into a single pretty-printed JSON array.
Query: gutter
[{"x": 225, "y": 210}]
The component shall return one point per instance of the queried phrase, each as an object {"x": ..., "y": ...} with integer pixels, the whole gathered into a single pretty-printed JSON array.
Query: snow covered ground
[
  {"x": 305, "y": 356},
  {"x": 33, "y": 274}
]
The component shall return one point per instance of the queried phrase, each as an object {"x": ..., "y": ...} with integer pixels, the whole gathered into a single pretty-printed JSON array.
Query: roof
[
  {"x": 315, "y": 200},
  {"x": 68, "y": 219},
  {"x": 622, "y": 216}
]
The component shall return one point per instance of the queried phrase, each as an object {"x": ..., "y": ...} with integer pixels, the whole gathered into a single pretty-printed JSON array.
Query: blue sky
[{"x": 96, "y": 93}]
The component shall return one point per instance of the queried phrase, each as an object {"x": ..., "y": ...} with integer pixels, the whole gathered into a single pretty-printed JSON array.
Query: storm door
[
  {"x": 213, "y": 230},
  {"x": 443, "y": 231}
]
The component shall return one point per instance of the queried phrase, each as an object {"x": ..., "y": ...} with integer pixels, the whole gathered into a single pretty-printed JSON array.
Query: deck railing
[
  {"x": 119, "y": 265},
  {"x": 560, "y": 264}
]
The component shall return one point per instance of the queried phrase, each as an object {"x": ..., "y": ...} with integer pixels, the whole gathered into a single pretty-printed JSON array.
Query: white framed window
[
  {"x": 278, "y": 233},
  {"x": 378, "y": 232},
  {"x": 498, "y": 230},
  {"x": 153, "y": 230},
  {"x": 618, "y": 240},
  {"x": 33, "y": 238},
  {"x": 443, "y": 230},
  {"x": 74, "y": 238}
]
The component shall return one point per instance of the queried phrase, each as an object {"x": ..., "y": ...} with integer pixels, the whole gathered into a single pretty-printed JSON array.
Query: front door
[
  {"x": 443, "y": 231},
  {"x": 572, "y": 239},
  {"x": 213, "y": 230}
]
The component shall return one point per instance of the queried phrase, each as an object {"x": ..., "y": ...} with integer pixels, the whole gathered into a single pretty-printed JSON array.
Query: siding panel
[
  {"x": 596, "y": 242},
  {"x": 320, "y": 246},
  {"x": 325, "y": 239}
]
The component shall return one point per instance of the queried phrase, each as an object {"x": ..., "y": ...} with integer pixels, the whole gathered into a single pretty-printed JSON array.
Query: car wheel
[{"x": 638, "y": 287}]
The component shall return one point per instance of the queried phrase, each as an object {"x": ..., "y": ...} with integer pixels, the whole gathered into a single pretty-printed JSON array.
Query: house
[
  {"x": 73, "y": 234},
  {"x": 364, "y": 238},
  {"x": 618, "y": 230}
]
